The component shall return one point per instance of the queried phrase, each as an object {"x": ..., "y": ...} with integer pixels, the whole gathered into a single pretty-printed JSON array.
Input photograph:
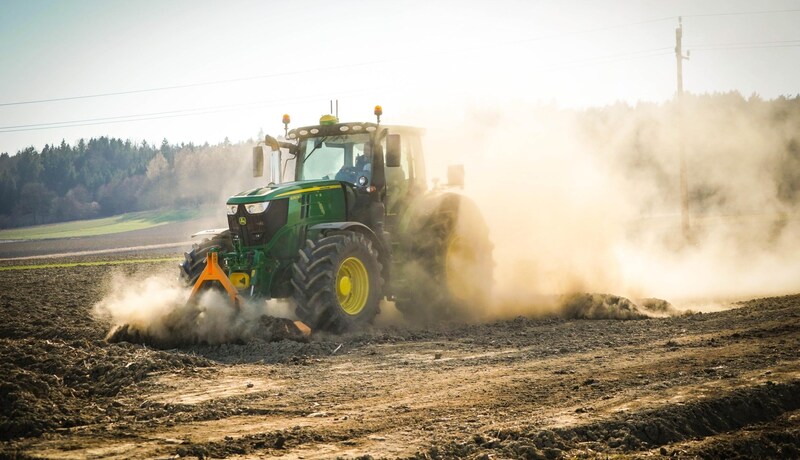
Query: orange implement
[
  {"x": 213, "y": 272},
  {"x": 293, "y": 330}
]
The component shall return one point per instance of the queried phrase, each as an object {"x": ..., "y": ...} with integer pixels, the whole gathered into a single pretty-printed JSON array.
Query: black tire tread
[
  {"x": 313, "y": 279},
  {"x": 195, "y": 260}
]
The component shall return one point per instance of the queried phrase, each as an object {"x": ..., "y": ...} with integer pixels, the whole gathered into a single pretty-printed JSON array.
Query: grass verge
[
  {"x": 86, "y": 264},
  {"x": 107, "y": 225}
]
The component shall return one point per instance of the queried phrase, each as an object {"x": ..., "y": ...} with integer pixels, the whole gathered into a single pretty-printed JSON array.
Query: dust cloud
[
  {"x": 154, "y": 310},
  {"x": 584, "y": 211},
  {"x": 589, "y": 201}
]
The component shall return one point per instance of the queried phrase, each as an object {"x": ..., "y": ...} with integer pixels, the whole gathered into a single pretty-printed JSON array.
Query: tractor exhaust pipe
[
  {"x": 275, "y": 167},
  {"x": 275, "y": 176},
  {"x": 274, "y": 159}
]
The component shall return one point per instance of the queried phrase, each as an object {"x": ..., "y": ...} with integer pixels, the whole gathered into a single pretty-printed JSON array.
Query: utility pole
[{"x": 679, "y": 57}]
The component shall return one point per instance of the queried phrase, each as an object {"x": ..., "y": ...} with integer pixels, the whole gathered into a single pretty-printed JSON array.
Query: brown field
[{"x": 715, "y": 385}]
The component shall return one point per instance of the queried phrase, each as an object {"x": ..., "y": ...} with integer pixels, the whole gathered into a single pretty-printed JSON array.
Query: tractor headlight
[
  {"x": 232, "y": 208},
  {"x": 256, "y": 208}
]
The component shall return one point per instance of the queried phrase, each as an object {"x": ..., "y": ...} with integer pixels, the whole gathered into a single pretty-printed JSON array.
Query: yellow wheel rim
[{"x": 352, "y": 286}]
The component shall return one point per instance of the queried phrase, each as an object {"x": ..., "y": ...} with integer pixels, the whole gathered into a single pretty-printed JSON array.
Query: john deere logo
[{"x": 243, "y": 220}]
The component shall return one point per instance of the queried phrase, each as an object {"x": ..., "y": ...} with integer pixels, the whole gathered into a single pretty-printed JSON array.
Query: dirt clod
[{"x": 600, "y": 306}]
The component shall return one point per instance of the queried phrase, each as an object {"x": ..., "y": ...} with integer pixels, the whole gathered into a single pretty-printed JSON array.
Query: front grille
[{"x": 259, "y": 228}]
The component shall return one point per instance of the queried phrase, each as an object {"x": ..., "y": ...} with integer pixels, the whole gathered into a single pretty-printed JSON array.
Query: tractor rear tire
[
  {"x": 450, "y": 272},
  {"x": 195, "y": 260},
  {"x": 337, "y": 282}
]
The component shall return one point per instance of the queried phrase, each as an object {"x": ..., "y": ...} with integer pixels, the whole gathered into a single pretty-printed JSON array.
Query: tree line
[{"x": 107, "y": 176}]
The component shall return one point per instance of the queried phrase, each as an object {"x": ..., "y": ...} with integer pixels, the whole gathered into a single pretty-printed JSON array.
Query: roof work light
[
  {"x": 286, "y": 120},
  {"x": 327, "y": 120}
]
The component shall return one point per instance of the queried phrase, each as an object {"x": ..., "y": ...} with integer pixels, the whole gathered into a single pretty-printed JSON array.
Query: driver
[{"x": 352, "y": 173}]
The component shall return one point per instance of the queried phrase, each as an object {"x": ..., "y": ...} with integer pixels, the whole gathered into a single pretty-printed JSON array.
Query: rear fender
[{"x": 428, "y": 206}]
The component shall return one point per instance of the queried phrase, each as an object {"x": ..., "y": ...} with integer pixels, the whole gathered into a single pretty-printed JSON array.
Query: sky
[{"x": 201, "y": 71}]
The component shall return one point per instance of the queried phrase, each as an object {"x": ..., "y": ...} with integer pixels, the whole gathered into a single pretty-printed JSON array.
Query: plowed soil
[{"x": 716, "y": 385}]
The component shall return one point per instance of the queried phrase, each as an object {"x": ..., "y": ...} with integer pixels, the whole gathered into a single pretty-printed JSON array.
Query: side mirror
[
  {"x": 378, "y": 178},
  {"x": 272, "y": 143},
  {"x": 393, "y": 151},
  {"x": 258, "y": 161},
  {"x": 455, "y": 176}
]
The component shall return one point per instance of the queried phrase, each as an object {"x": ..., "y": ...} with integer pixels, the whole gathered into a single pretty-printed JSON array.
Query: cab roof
[{"x": 348, "y": 128}]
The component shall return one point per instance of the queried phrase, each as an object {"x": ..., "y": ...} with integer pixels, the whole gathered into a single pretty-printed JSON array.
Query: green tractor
[{"x": 357, "y": 224}]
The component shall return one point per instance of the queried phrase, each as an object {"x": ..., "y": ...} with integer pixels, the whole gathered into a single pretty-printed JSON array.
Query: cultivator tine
[
  {"x": 213, "y": 272},
  {"x": 305, "y": 331}
]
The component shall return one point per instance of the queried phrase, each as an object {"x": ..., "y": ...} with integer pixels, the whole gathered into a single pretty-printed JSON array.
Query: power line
[
  {"x": 163, "y": 115},
  {"x": 650, "y": 21},
  {"x": 330, "y": 68},
  {"x": 593, "y": 30},
  {"x": 613, "y": 58},
  {"x": 746, "y": 45},
  {"x": 797, "y": 41},
  {"x": 734, "y": 48},
  {"x": 374, "y": 62},
  {"x": 654, "y": 52},
  {"x": 740, "y": 13},
  {"x": 195, "y": 85},
  {"x": 253, "y": 105},
  {"x": 214, "y": 109},
  {"x": 54, "y": 123}
]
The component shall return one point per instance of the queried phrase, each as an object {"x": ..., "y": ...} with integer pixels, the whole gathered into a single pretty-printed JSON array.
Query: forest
[{"x": 107, "y": 176}]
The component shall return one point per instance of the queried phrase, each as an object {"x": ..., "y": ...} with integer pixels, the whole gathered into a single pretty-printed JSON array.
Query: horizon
[{"x": 155, "y": 143}]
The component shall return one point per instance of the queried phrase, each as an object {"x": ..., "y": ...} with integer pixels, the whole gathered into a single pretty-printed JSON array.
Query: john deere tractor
[{"x": 357, "y": 224}]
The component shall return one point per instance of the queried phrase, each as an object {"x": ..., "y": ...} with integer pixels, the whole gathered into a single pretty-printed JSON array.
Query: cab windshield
[{"x": 342, "y": 157}]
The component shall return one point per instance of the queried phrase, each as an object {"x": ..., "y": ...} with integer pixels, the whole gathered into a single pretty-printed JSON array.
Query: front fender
[
  {"x": 348, "y": 226},
  {"x": 210, "y": 233}
]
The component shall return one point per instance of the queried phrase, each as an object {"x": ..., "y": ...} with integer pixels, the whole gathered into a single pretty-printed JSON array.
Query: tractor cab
[
  {"x": 381, "y": 167},
  {"x": 347, "y": 152}
]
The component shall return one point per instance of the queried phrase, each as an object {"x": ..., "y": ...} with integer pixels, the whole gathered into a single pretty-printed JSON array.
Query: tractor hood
[{"x": 274, "y": 192}]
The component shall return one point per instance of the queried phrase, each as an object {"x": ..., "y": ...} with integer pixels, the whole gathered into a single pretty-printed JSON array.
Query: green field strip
[
  {"x": 90, "y": 264},
  {"x": 103, "y": 226}
]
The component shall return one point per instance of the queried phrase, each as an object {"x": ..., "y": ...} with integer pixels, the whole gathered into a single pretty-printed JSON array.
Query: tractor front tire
[
  {"x": 337, "y": 282},
  {"x": 195, "y": 260}
]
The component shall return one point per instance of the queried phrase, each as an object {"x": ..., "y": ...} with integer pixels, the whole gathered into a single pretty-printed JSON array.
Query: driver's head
[{"x": 361, "y": 160}]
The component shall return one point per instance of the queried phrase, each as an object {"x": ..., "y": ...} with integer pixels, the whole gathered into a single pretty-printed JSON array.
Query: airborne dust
[
  {"x": 584, "y": 211},
  {"x": 589, "y": 201},
  {"x": 154, "y": 310}
]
